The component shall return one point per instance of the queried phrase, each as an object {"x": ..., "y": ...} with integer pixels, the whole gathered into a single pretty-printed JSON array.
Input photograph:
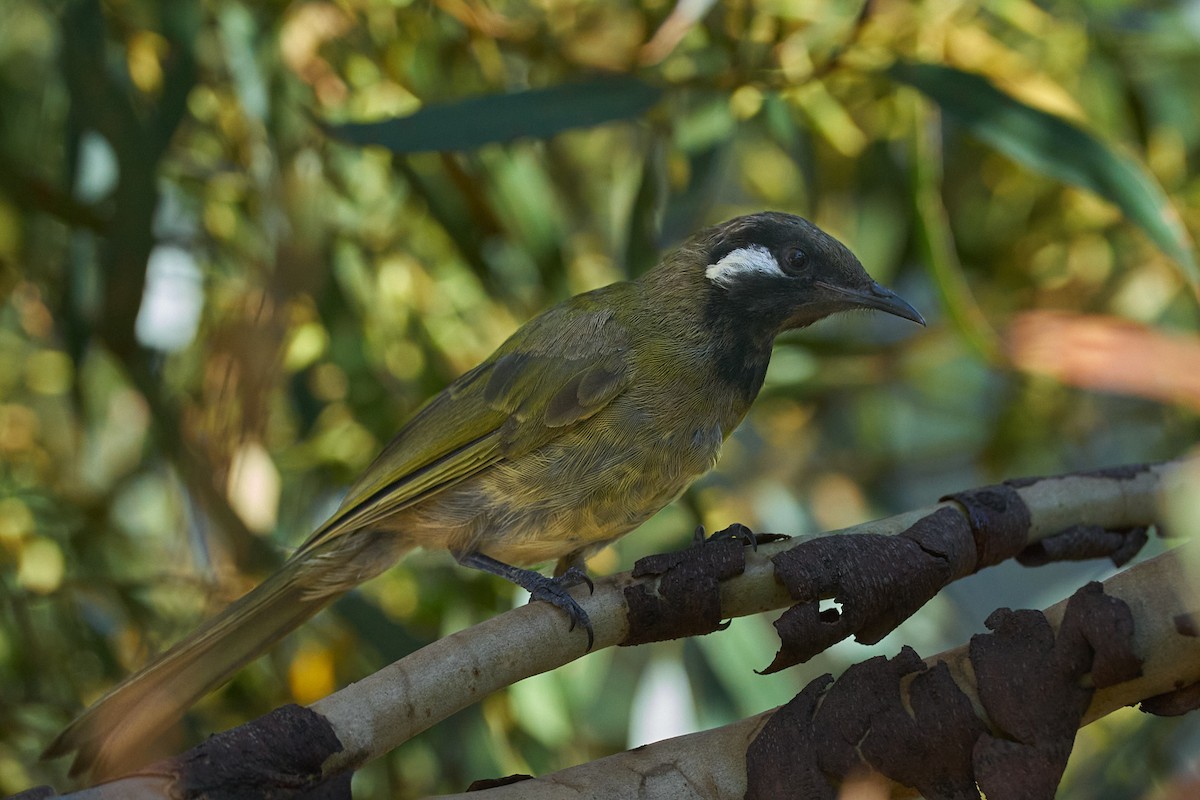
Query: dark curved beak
[{"x": 879, "y": 298}]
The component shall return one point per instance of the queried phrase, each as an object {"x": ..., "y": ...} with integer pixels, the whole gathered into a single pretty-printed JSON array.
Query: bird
[{"x": 590, "y": 418}]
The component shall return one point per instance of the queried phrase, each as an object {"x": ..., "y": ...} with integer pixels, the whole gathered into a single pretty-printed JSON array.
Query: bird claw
[
  {"x": 736, "y": 532},
  {"x": 554, "y": 591},
  {"x": 551, "y": 590},
  {"x": 575, "y": 576}
]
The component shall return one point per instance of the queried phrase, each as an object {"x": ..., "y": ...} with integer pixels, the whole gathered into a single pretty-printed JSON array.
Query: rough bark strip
[
  {"x": 1008, "y": 770},
  {"x": 914, "y": 725},
  {"x": 781, "y": 761},
  {"x": 1173, "y": 704},
  {"x": 688, "y": 599},
  {"x": 483, "y": 784},
  {"x": 1036, "y": 707},
  {"x": 1096, "y": 638},
  {"x": 879, "y": 581},
  {"x": 861, "y": 724},
  {"x": 278, "y": 755},
  {"x": 1081, "y": 542},
  {"x": 999, "y": 520},
  {"x": 932, "y": 750},
  {"x": 1124, "y": 472},
  {"x": 929, "y": 749},
  {"x": 863, "y": 693},
  {"x": 1121, "y": 472},
  {"x": 947, "y": 537}
]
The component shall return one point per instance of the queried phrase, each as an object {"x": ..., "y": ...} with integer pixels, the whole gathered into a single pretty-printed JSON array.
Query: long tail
[{"x": 112, "y": 736}]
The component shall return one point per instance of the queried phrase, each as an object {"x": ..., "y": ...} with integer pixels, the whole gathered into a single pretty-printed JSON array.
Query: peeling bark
[{"x": 929, "y": 547}]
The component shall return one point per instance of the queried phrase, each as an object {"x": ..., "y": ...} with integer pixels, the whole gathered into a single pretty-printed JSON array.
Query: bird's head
[{"x": 780, "y": 272}]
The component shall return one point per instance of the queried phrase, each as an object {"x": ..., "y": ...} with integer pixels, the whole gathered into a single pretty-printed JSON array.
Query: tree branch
[
  {"x": 1019, "y": 518},
  {"x": 1158, "y": 593}
]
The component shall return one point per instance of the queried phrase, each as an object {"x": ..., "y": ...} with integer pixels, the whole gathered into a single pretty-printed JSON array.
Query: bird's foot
[
  {"x": 554, "y": 591},
  {"x": 540, "y": 587}
]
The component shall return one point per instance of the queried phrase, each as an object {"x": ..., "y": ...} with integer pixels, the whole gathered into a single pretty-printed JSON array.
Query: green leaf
[
  {"x": 1057, "y": 148},
  {"x": 476, "y": 121}
]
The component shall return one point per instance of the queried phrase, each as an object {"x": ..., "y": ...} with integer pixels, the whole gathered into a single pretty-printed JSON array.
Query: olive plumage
[{"x": 585, "y": 422}]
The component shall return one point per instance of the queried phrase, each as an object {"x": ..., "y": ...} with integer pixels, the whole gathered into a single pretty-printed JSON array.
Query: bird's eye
[{"x": 794, "y": 260}]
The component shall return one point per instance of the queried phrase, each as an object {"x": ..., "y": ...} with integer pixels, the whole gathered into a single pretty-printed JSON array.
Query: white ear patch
[{"x": 741, "y": 262}]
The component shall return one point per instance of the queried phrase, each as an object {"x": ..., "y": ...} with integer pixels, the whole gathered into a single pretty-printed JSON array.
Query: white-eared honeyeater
[{"x": 589, "y": 419}]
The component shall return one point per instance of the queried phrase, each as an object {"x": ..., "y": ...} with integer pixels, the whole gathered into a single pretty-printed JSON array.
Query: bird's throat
[{"x": 740, "y": 361}]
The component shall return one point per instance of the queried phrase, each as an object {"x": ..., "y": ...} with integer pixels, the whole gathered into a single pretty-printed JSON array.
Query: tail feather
[{"x": 111, "y": 737}]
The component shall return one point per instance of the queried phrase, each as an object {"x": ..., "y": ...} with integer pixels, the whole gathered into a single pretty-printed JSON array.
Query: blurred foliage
[{"x": 214, "y": 313}]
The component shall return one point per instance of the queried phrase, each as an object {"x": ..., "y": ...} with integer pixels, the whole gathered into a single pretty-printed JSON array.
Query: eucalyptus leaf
[
  {"x": 538, "y": 113},
  {"x": 1057, "y": 148}
]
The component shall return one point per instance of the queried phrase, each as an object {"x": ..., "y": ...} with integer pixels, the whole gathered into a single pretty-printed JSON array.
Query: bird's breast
[{"x": 586, "y": 488}]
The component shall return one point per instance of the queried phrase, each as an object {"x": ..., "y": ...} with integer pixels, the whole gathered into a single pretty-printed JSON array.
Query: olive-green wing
[{"x": 559, "y": 369}]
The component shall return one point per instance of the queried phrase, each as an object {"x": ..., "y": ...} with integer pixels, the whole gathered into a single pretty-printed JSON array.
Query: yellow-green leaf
[{"x": 1057, "y": 148}]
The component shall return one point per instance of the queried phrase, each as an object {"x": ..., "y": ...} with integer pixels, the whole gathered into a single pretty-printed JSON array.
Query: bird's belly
[{"x": 573, "y": 496}]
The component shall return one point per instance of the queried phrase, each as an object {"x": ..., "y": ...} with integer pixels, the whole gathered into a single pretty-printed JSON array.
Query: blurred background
[{"x": 229, "y": 271}]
